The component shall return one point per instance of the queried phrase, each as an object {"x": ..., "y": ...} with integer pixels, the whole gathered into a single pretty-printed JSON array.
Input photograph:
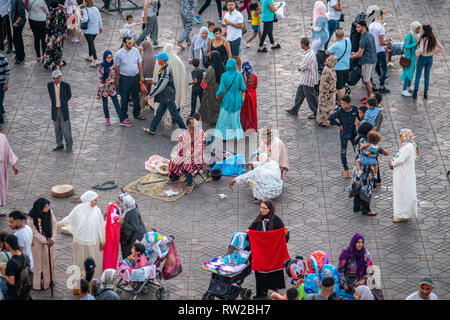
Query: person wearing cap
[
  {"x": 426, "y": 285},
  {"x": 60, "y": 95},
  {"x": 164, "y": 94}
]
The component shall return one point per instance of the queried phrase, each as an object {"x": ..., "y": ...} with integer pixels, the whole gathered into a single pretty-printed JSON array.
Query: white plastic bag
[{"x": 280, "y": 11}]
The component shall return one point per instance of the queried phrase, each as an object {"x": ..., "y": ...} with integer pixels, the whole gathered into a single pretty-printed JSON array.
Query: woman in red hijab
[{"x": 249, "y": 116}]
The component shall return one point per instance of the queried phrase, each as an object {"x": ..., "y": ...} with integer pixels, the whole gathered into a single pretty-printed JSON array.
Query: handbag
[
  {"x": 84, "y": 25},
  {"x": 354, "y": 76},
  {"x": 342, "y": 18},
  {"x": 206, "y": 60},
  {"x": 404, "y": 61},
  {"x": 172, "y": 266},
  {"x": 203, "y": 84}
]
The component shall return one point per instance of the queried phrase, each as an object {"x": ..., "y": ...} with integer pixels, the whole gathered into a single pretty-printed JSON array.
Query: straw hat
[{"x": 162, "y": 168}]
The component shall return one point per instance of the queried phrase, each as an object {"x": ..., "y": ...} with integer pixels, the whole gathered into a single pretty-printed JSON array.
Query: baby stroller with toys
[
  {"x": 230, "y": 271},
  {"x": 156, "y": 250}
]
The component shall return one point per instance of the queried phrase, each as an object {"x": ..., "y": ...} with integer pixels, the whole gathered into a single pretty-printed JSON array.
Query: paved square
[{"x": 314, "y": 204}]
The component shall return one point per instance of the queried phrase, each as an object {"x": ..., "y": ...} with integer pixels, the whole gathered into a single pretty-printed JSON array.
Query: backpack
[
  {"x": 25, "y": 281},
  {"x": 354, "y": 76}
]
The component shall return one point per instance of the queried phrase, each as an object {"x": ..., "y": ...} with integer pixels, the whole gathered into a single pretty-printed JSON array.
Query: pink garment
[
  {"x": 140, "y": 261},
  {"x": 7, "y": 158},
  {"x": 126, "y": 270},
  {"x": 190, "y": 155},
  {"x": 154, "y": 161},
  {"x": 112, "y": 238},
  {"x": 422, "y": 48},
  {"x": 319, "y": 10}
]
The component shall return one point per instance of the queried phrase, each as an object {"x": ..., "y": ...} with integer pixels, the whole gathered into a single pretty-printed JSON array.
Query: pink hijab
[{"x": 319, "y": 10}]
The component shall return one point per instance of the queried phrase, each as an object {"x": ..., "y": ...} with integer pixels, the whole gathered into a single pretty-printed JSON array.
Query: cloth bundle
[
  {"x": 154, "y": 161},
  {"x": 229, "y": 265}
]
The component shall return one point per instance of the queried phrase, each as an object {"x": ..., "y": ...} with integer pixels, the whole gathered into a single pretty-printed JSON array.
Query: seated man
[
  {"x": 189, "y": 154},
  {"x": 274, "y": 148},
  {"x": 264, "y": 179}
]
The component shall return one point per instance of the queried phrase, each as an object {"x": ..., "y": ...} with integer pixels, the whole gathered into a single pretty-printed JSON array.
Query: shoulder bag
[
  {"x": 404, "y": 61},
  {"x": 345, "y": 50},
  {"x": 206, "y": 60},
  {"x": 84, "y": 25}
]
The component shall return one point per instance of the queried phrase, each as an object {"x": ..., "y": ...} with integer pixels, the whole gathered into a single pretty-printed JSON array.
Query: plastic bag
[
  {"x": 280, "y": 11},
  {"x": 172, "y": 266}
]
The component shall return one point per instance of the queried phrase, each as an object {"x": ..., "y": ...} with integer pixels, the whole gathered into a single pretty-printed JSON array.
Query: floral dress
[
  {"x": 363, "y": 185},
  {"x": 56, "y": 26},
  {"x": 327, "y": 96},
  {"x": 106, "y": 88}
]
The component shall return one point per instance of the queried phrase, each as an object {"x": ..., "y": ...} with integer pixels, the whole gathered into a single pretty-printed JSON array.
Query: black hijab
[
  {"x": 46, "y": 218},
  {"x": 363, "y": 130},
  {"x": 217, "y": 64}
]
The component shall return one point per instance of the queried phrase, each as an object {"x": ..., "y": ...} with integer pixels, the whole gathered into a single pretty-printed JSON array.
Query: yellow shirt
[
  {"x": 256, "y": 20},
  {"x": 57, "y": 95}
]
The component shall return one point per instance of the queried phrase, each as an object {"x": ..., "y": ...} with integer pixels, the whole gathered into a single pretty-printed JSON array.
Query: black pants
[
  {"x": 5, "y": 31},
  {"x": 206, "y": 5},
  {"x": 18, "y": 43},
  {"x": 38, "y": 28},
  {"x": 267, "y": 31},
  {"x": 194, "y": 95},
  {"x": 359, "y": 204},
  {"x": 90, "y": 40}
]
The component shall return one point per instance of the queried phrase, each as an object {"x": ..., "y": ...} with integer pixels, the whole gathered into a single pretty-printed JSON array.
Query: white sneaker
[
  {"x": 406, "y": 93},
  {"x": 248, "y": 45},
  {"x": 410, "y": 88}
]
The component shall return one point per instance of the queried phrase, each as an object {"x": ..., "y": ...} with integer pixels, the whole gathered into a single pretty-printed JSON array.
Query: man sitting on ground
[{"x": 189, "y": 154}]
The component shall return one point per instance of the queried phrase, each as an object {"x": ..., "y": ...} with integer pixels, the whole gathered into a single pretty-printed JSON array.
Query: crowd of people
[{"x": 226, "y": 88}]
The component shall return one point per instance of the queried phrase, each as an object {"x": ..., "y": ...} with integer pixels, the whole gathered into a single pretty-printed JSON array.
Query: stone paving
[{"x": 314, "y": 204}]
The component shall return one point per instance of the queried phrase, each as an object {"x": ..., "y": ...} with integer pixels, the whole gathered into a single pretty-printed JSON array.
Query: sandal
[
  {"x": 148, "y": 131},
  {"x": 262, "y": 50},
  {"x": 276, "y": 47},
  {"x": 180, "y": 45},
  {"x": 371, "y": 213}
]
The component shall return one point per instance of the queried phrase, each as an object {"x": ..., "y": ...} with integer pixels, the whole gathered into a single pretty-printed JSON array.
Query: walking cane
[{"x": 50, "y": 265}]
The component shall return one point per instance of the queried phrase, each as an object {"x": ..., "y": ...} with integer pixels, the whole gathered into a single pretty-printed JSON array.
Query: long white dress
[{"x": 404, "y": 183}]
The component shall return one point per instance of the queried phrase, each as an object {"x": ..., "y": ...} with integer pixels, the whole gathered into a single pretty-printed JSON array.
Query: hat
[
  {"x": 163, "y": 56},
  {"x": 162, "y": 168},
  {"x": 56, "y": 73},
  {"x": 426, "y": 280}
]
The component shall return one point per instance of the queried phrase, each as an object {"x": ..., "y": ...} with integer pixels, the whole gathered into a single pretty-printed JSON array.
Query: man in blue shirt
[
  {"x": 341, "y": 50},
  {"x": 345, "y": 117}
]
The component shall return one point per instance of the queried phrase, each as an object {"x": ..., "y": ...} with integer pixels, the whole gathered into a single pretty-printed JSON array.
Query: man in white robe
[
  {"x": 87, "y": 226},
  {"x": 265, "y": 179}
]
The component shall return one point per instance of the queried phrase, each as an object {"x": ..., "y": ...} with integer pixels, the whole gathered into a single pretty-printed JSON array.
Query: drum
[{"x": 62, "y": 191}]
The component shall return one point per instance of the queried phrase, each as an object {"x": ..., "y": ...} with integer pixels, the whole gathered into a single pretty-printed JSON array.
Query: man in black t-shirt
[{"x": 13, "y": 268}]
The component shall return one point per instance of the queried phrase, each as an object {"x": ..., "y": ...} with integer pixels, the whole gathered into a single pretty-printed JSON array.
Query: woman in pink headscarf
[{"x": 319, "y": 26}]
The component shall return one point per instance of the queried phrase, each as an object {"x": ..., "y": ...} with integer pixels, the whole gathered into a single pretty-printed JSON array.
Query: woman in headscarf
[
  {"x": 267, "y": 221},
  {"x": 232, "y": 83},
  {"x": 56, "y": 27},
  {"x": 107, "y": 88},
  {"x": 355, "y": 37},
  {"x": 363, "y": 293},
  {"x": 327, "y": 92},
  {"x": 404, "y": 178},
  {"x": 361, "y": 187},
  {"x": 210, "y": 105},
  {"x": 148, "y": 69},
  {"x": 87, "y": 226},
  {"x": 355, "y": 259},
  {"x": 43, "y": 223},
  {"x": 180, "y": 78},
  {"x": 132, "y": 226},
  {"x": 410, "y": 45},
  {"x": 319, "y": 27},
  {"x": 105, "y": 290},
  {"x": 249, "y": 115},
  {"x": 200, "y": 46}
]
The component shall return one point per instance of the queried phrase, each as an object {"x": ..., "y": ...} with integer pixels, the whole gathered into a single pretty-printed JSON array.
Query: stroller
[
  {"x": 230, "y": 271},
  {"x": 157, "y": 249}
]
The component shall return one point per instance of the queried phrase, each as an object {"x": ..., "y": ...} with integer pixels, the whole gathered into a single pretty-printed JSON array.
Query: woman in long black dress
[
  {"x": 267, "y": 221},
  {"x": 56, "y": 27}
]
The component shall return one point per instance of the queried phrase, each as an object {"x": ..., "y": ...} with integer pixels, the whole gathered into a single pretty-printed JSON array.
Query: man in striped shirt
[
  {"x": 4, "y": 79},
  {"x": 309, "y": 77}
]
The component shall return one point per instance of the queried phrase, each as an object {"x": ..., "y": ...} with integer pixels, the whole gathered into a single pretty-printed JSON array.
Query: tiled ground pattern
[{"x": 314, "y": 204}]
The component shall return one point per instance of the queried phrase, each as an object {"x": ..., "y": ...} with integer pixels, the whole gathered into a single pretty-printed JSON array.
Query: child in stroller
[
  {"x": 135, "y": 261},
  {"x": 230, "y": 271}
]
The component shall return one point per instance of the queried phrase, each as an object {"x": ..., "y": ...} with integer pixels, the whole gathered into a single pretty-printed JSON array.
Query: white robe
[
  {"x": 265, "y": 178},
  {"x": 404, "y": 183}
]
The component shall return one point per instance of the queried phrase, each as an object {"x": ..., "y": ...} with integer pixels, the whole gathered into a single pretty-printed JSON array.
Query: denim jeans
[
  {"x": 3, "y": 287},
  {"x": 189, "y": 178},
  {"x": 423, "y": 62},
  {"x": 127, "y": 86},
  {"x": 344, "y": 143},
  {"x": 406, "y": 83},
  {"x": 173, "y": 112},
  {"x": 116, "y": 106},
  {"x": 381, "y": 56},
  {"x": 2, "y": 97},
  {"x": 332, "y": 26},
  {"x": 194, "y": 96}
]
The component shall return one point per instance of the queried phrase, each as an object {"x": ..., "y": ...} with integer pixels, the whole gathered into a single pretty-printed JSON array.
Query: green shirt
[{"x": 267, "y": 14}]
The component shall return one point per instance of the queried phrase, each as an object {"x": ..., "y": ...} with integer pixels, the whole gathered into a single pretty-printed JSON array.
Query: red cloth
[
  {"x": 249, "y": 115},
  {"x": 112, "y": 238},
  {"x": 269, "y": 250}
]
